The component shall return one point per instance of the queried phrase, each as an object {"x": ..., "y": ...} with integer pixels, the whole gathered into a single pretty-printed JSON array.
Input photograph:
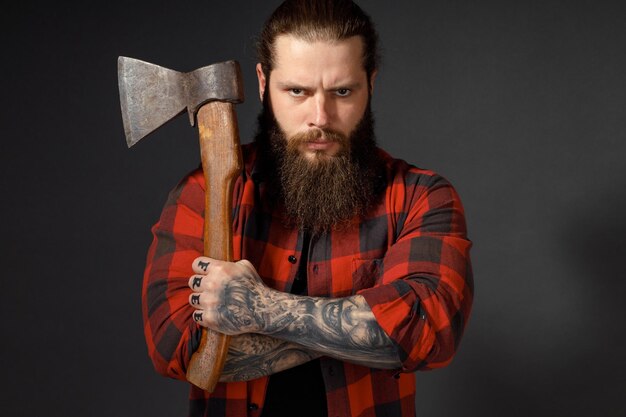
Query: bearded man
[{"x": 354, "y": 268}]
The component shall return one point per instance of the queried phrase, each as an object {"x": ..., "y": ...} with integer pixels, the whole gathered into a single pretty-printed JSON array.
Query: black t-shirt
[{"x": 298, "y": 391}]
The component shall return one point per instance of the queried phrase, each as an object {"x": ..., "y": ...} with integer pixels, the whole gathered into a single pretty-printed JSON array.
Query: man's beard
[{"x": 321, "y": 192}]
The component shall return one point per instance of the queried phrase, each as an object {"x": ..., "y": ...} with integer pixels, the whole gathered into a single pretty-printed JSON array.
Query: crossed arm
[{"x": 275, "y": 331}]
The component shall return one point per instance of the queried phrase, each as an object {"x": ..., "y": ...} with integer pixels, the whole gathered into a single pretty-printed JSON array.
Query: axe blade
[{"x": 150, "y": 96}]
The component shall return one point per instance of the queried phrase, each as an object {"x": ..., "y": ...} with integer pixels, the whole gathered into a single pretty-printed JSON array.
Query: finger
[
  {"x": 198, "y": 316},
  {"x": 194, "y": 300},
  {"x": 201, "y": 264},
  {"x": 204, "y": 318},
  {"x": 195, "y": 282}
]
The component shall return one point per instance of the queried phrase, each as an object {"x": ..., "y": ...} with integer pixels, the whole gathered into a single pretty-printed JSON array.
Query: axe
[{"x": 150, "y": 96}]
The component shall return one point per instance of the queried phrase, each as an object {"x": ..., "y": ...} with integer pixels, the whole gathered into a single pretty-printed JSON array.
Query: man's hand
[{"x": 227, "y": 296}]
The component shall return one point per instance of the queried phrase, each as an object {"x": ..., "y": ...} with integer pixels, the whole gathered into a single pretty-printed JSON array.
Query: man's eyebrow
[
  {"x": 288, "y": 85},
  {"x": 349, "y": 85}
]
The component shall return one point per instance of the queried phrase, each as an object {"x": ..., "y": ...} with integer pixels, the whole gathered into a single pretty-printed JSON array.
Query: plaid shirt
[{"x": 409, "y": 258}]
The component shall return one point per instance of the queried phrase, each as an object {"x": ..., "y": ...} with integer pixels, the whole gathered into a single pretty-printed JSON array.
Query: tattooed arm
[
  {"x": 344, "y": 328},
  {"x": 252, "y": 356},
  {"x": 232, "y": 299}
]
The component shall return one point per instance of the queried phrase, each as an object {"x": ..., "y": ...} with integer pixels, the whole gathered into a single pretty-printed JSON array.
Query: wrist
[{"x": 281, "y": 314}]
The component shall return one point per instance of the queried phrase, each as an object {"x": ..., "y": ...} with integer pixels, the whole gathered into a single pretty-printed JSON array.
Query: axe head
[{"x": 151, "y": 95}]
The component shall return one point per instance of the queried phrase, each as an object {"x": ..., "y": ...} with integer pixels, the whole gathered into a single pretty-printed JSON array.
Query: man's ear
[
  {"x": 262, "y": 80},
  {"x": 372, "y": 79}
]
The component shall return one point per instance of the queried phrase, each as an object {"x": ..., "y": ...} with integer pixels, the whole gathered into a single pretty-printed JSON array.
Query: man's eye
[
  {"x": 296, "y": 92},
  {"x": 343, "y": 92}
]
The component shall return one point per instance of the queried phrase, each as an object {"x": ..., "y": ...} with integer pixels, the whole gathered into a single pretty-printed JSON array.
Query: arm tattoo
[
  {"x": 343, "y": 328},
  {"x": 252, "y": 356}
]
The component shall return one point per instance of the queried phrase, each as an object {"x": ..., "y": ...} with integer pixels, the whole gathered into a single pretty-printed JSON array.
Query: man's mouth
[
  {"x": 317, "y": 142},
  {"x": 320, "y": 143}
]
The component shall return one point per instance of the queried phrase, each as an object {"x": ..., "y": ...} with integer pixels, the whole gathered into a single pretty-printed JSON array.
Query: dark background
[{"x": 521, "y": 104}]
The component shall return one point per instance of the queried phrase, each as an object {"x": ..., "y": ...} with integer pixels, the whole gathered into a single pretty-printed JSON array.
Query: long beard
[{"x": 321, "y": 192}]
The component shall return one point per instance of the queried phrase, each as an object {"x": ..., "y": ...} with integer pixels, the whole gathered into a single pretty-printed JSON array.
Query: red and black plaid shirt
[{"x": 409, "y": 259}]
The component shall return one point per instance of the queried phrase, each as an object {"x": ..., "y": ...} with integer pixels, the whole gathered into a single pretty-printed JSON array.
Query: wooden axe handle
[{"x": 221, "y": 161}]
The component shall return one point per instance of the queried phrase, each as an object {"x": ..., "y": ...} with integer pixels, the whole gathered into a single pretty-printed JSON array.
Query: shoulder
[
  {"x": 422, "y": 196},
  {"x": 400, "y": 173}
]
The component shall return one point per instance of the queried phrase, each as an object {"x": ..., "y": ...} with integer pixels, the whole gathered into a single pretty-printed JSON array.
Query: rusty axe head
[{"x": 151, "y": 95}]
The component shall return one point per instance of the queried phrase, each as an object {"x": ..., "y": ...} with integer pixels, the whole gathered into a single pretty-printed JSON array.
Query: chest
[{"x": 338, "y": 263}]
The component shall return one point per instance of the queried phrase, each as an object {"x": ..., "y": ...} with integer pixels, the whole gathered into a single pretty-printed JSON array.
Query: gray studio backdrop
[{"x": 521, "y": 104}]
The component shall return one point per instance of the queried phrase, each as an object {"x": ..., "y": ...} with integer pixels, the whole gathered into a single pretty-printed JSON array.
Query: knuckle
[
  {"x": 221, "y": 269},
  {"x": 245, "y": 263},
  {"x": 194, "y": 300},
  {"x": 195, "y": 281},
  {"x": 198, "y": 316}
]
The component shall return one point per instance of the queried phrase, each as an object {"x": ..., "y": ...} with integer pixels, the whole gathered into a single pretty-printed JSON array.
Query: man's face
[{"x": 316, "y": 90}]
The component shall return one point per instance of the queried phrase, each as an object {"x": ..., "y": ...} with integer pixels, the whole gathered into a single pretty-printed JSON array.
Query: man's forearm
[
  {"x": 343, "y": 328},
  {"x": 252, "y": 356}
]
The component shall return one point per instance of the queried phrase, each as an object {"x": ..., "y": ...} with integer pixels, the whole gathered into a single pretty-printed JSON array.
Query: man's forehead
[
  {"x": 295, "y": 53},
  {"x": 290, "y": 42},
  {"x": 313, "y": 39}
]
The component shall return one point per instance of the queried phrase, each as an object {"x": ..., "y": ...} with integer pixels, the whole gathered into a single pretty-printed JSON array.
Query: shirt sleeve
[
  {"x": 423, "y": 294},
  {"x": 171, "y": 334}
]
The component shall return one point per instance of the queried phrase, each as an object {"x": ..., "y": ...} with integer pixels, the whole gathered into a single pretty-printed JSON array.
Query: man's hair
[{"x": 319, "y": 20}]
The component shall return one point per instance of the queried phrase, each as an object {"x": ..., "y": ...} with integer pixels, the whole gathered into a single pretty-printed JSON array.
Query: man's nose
[{"x": 321, "y": 112}]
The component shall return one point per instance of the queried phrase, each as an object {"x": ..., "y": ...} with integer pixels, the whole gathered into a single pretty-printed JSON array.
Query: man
[{"x": 355, "y": 266}]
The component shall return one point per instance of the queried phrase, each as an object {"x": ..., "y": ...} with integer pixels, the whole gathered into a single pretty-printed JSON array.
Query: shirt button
[
  {"x": 292, "y": 259},
  {"x": 253, "y": 407}
]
